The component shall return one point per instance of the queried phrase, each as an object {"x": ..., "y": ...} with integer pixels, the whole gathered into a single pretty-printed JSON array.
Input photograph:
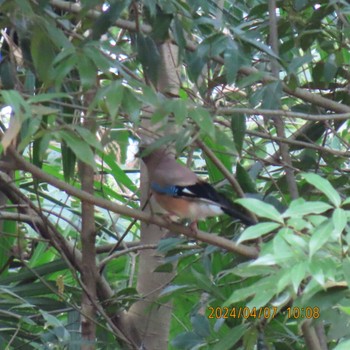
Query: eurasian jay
[{"x": 180, "y": 192}]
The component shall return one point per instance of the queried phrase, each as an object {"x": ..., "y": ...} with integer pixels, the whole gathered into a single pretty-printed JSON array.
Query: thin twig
[{"x": 124, "y": 252}]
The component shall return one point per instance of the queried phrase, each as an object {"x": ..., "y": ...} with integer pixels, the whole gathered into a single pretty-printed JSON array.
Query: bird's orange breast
[
  {"x": 187, "y": 208},
  {"x": 175, "y": 206}
]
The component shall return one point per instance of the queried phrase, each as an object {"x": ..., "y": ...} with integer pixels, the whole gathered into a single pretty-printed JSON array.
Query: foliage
[{"x": 54, "y": 56}]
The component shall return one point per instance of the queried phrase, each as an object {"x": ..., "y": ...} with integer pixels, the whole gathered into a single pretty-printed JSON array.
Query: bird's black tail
[
  {"x": 235, "y": 213},
  {"x": 207, "y": 191}
]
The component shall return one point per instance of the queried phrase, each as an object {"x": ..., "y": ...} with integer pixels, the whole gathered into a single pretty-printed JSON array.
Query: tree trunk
[{"x": 150, "y": 319}]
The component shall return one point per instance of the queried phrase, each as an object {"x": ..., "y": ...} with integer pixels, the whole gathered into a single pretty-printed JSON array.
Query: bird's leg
[
  {"x": 194, "y": 228},
  {"x": 169, "y": 217}
]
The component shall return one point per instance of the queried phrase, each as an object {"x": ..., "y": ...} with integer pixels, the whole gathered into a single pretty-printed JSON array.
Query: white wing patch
[{"x": 186, "y": 190}]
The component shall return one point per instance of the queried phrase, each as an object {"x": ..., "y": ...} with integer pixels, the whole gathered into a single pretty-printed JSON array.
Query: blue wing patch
[
  {"x": 203, "y": 190},
  {"x": 168, "y": 190}
]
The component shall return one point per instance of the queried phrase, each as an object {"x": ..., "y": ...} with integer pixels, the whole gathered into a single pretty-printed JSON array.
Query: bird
[{"x": 179, "y": 191}]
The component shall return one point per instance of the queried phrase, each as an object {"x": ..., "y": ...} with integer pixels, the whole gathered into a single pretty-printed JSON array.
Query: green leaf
[
  {"x": 297, "y": 242},
  {"x": 80, "y": 148},
  {"x": 29, "y": 128},
  {"x": 73, "y": 327},
  {"x": 231, "y": 338},
  {"x": 330, "y": 69},
  {"x": 299, "y": 61},
  {"x": 167, "y": 267},
  {"x": 100, "y": 60},
  {"x": 7, "y": 74},
  {"x": 345, "y": 309},
  {"x": 51, "y": 320},
  {"x": 340, "y": 220},
  {"x": 68, "y": 161},
  {"x": 272, "y": 95},
  {"x": 108, "y": 18},
  {"x": 149, "y": 57},
  {"x": 200, "y": 325},
  {"x": 48, "y": 97},
  {"x": 215, "y": 175},
  {"x": 246, "y": 182},
  {"x": 232, "y": 61},
  {"x": 320, "y": 236},
  {"x": 117, "y": 172},
  {"x": 42, "y": 62},
  {"x": 298, "y": 273},
  {"x": 179, "y": 108},
  {"x": 262, "y": 298},
  {"x": 56, "y": 35},
  {"x": 88, "y": 137},
  {"x": 238, "y": 128},
  {"x": 250, "y": 79},
  {"x": 87, "y": 71},
  {"x": 19, "y": 106},
  {"x": 300, "y": 208},
  {"x": 41, "y": 110},
  {"x": 346, "y": 269},
  {"x": 187, "y": 341},
  {"x": 204, "y": 120},
  {"x": 324, "y": 186},
  {"x": 169, "y": 290},
  {"x": 6, "y": 242},
  {"x": 344, "y": 345},
  {"x": 261, "y": 209},
  {"x": 131, "y": 105},
  {"x": 282, "y": 251},
  {"x": 297, "y": 223},
  {"x": 64, "y": 67},
  {"x": 265, "y": 260},
  {"x": 258, "y": 44},
  {"x": 160, "y": 24},
  {"x": 203, "y": 282},
  {"x": 32, "y": 275},
  {"x": 150, "y": 96},
  {"x": 310, "y": 134},
  {"x": 316, "y": 271},
  {"x": 179, "y": 36},
  {"x": 167, "y": 244},
  {"x": 250, "y": 338},
  {"x": 213, "y": 45},
  {"x": 256, "y": 231},
  {"x": 245, "y": 292},
  {"x": 284, "y": 281}
]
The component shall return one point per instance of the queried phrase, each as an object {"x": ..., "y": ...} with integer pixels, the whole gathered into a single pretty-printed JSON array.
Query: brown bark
[
  {"x": 88, "y": 268},
  {"x": 88, "y": 250},
  {"x": 151, "y": 319}
]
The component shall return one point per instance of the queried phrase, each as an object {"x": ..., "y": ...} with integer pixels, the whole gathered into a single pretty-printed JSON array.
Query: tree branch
[
  {"x": 88, "y": 251},
  {"x": 227, "y": 111},
  {"x": 310, "y": 336},
  {"x": 67, "y": 250},
  {"x": 247, "y": 251},
  {"x": 301, "y": 144},
  {"x": 278, "y": 121}
]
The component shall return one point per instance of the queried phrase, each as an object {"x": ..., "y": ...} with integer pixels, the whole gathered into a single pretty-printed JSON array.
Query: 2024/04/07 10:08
[{"x": 263, "y": 312}]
